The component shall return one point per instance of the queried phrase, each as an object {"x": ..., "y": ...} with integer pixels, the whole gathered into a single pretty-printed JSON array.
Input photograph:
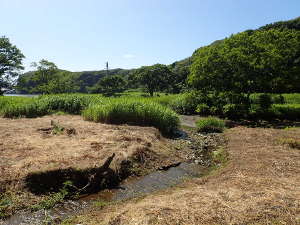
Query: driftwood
[{"x": 93, "y": 177}]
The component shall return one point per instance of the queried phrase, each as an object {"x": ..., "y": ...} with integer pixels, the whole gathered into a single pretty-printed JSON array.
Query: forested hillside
[{"x": 62, "y": 81}]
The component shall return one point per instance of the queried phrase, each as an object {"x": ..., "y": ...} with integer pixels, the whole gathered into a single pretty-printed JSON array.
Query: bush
[
  {"x": 278, "y": 99},
  {"x": 203, "y": 109},
  {"x": 287, "y": 111},
  {"x": 187, "y": 103},
  {"x": 265, "y": 101},
  {"x": 235, "y": 111},
  {"x": 144, "y": 113},
  {"x": 210, "y": 125}
]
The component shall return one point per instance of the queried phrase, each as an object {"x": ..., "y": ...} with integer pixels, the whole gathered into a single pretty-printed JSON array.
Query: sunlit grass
[{"x": 135, "y": 112}]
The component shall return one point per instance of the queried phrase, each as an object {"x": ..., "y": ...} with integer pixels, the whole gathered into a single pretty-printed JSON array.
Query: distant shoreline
[{"x": 21, "y": 95}]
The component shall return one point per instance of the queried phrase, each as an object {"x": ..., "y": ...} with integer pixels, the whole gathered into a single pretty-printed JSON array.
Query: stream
[{"x": 152, "y": 182}]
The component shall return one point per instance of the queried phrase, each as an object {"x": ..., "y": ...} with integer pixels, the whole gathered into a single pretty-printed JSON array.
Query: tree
[
  {"x": 180, "y": 70},
  {"x": 10, "y": 61},
  {"x": 62, "y": 82},
  {"x": 154, "y": 78},
  {"x": 45, "y": 72},
  {"x": 248, "y": 62},
  {"x": 110, "y": 85}
]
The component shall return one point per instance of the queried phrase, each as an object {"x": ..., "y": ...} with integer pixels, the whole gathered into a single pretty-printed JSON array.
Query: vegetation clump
[
  {"x": 291, "y": 142},
  {"x": 134, "y": 112},
  {"x": 210, "y": 125}
]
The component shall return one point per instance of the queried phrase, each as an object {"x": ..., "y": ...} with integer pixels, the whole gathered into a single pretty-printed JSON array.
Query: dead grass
[
  {"x": 32, "y": 145},
  {"x": 259, "y": 185}
]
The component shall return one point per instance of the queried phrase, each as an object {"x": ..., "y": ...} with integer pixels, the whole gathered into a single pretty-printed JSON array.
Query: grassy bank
[{"x": 135, "y": 109}]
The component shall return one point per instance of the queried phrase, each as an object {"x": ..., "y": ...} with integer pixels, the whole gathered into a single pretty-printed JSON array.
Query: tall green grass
[
  {"x": 13, "y": 107},
  {"x": 210, "y": 125},
  {"x": 123, "y": 110},
  {"x": 128, "y": 111},
  {"x": 291, "y": 98}
]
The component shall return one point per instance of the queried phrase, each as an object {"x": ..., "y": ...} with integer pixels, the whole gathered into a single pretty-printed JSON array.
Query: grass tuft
[{"x": 210, "y": 125}]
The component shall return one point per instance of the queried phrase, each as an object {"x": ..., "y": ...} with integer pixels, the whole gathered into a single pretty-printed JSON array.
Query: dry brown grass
[
  {"x": 27, "y": 145},
  {"x": 259, "y": 185}
]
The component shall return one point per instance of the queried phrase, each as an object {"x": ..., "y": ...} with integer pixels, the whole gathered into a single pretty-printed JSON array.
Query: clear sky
[{"x": 82, "y": 35}]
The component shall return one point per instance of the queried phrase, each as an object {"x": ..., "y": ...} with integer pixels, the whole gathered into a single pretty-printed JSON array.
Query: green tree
[
  {"x": 154, "y": 78},
  {"x": 180, "y": 70},
  {"x": 62, "y": 82},
  {"x": 248, "y": 62},
  {"x": 45, "y": 72},
  {"x": 10, "y": 61},
  {"x": 110, "y": 85}
]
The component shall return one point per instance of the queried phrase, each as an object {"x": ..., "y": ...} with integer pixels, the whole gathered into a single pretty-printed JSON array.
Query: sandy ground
[
  {"x": 29, "y": 145},
  {"x": 259, "y": 185}
]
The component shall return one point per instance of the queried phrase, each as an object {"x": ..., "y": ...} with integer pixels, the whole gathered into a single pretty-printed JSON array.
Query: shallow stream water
[{"x": 152, "y": 182}]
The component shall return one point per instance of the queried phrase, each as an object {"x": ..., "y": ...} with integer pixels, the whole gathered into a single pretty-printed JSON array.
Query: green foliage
[
  {"x": 210, "y": 125},
  {"x": 293, "y": 24},
  {"x": 235, "y": 111},
  {"x": 187, "y": 103},
  {"x": 155, "y": 78},
  {"x": 45, "y": 104},
  {"x": 180, "y": 70},
  {"x": 51, "y": 200},
  {"x": 292, "y": 98},
  {"x": 57, "y": 128},
  {"x": 44, "y": 74},
  {"x": 203, "y": 109},
  {"x": 6, "y": 203},
  {"x": 144, "y": 113},
  {"x": 10, "y": 62},
  {"x": 265, "y": 101},
  {"x": 277, "y": 111},
  {"x": 109, "y": 85},
  {"x": 261, "y": 61},
  {"x": 286, "y": 111}
]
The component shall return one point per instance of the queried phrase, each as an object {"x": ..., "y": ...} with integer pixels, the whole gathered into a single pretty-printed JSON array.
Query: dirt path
[{"x": 259, "y": 185}]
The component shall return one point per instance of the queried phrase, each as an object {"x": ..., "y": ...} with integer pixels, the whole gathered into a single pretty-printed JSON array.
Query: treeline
[
  {"x": 264, "y": 60},
  {"x": 48, "y": 79}
]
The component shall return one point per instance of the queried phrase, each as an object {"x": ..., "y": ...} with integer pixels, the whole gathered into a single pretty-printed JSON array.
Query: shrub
[
  {"x": 144, "y": 113},
  {"x": 265, "y": 101},
  {"x": 287, "y": 111},
  {"x": 187, "y": 103},
  {"x": 293, "y": 98},
  {"x": 203, "y": 109},
  {"x": 210, "y": 125},
  {"x": 278, "y": 99},
  {"x": 235, "y": 111}
]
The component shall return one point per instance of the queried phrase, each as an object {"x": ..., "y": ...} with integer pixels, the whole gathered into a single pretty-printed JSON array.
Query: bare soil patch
[{"x": 259, "y": 185}]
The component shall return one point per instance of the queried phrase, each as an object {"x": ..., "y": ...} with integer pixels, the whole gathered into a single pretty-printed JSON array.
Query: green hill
[{"x": 87, "y": 79}]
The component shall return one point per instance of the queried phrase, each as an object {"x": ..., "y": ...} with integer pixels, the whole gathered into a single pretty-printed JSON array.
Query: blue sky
[{"x": 82, "y": 35}]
